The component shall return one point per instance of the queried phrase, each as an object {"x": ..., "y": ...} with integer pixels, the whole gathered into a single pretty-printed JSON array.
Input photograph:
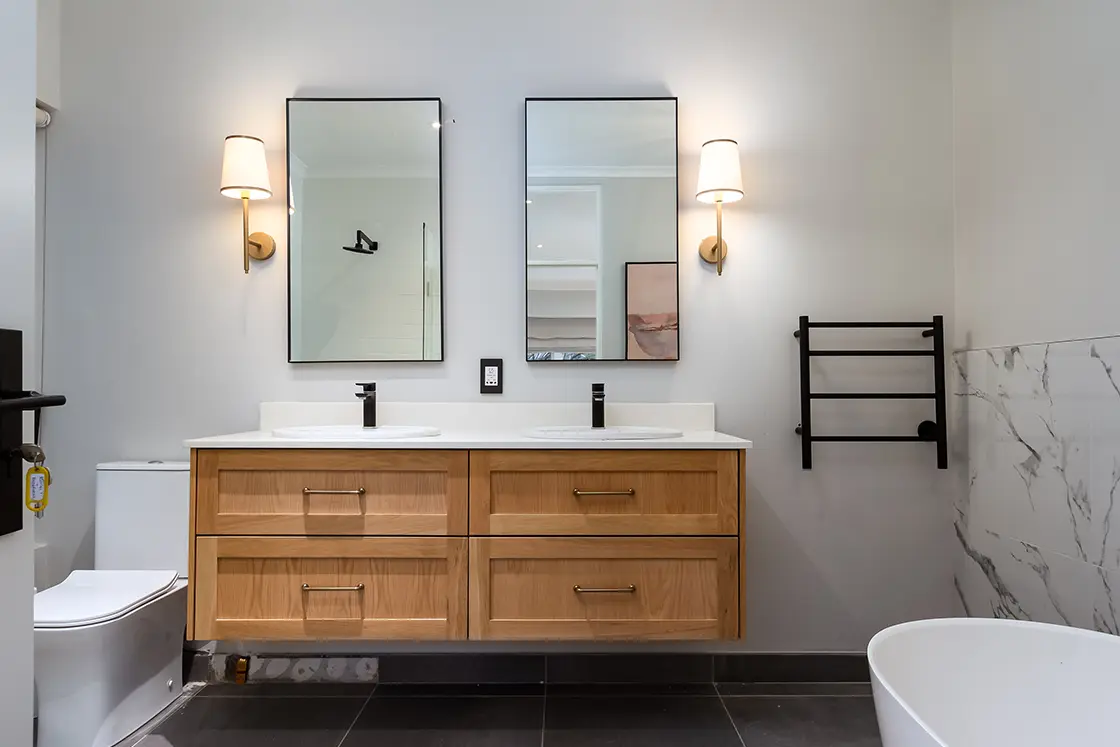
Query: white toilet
[{"x": 109, "y": 642}]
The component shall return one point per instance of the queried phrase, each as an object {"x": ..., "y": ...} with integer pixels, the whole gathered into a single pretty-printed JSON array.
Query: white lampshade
[
  {"x": 721, "y": 179},
  {"x": 244, "y": 168}
]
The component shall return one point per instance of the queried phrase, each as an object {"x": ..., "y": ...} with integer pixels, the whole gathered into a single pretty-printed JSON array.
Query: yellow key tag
[{"x": 37, "y": 488}]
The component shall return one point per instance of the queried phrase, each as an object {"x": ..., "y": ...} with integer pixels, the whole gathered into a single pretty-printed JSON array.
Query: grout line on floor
[
  {"x": 733, "y": 724},
  {"x": 288, "y": 696},
  {"x": 544, "y": 701},
  {"x": 358, "y": 715},
  {"x": 798, "y": 696}
]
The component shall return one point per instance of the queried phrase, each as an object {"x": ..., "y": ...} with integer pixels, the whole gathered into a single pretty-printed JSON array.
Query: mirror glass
[
  {"x": 364, "y": 230},
  {"x": 601, "y": 229}
]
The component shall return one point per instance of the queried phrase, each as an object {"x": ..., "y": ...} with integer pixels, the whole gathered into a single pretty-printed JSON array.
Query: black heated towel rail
[{"x": 928, "y": 430}]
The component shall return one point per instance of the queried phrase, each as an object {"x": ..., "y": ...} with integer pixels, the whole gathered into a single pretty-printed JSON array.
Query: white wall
[
  {"x": 843, "y": 114},
  {"x": 364, "y": 306},
  {"x": 17, "y": 311},
  {"x": 48, "y": 52},
  {"x": 1037, "y": 112}
]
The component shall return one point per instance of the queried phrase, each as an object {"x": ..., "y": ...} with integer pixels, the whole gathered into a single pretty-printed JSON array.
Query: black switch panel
[{"x": 490, "y": 376}]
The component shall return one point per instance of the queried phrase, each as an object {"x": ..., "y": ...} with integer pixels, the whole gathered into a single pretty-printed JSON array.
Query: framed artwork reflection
[{"x": 652, "y": 330}]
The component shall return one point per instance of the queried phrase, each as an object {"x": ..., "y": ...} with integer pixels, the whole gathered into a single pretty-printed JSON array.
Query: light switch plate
[{"x": 490, "y": 376}]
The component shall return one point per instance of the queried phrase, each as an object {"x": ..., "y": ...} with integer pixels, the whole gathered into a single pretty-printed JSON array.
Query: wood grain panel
[
  {"x": 251, "y": 587},
  {"x": 262, "y": 492},
  {"x": 190, "y": 547},
  {"x": 674, "y": 492},
  {"x": 742, "y": 544},
  {"x": 684, "y": 588}
]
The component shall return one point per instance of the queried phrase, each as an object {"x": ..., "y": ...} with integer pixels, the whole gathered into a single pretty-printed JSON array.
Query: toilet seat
[{"x": 92, "y": 597}]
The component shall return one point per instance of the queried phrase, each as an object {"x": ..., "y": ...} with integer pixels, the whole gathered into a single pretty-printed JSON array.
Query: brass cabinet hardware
[
  {"x": 582, "y": 493},
  {"x": 311, "y": 491},
  {"x": 309, "y": 587},
  {"x": 621, "y": 590}
]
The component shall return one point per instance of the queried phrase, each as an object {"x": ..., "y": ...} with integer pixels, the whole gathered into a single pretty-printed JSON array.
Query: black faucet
[
  {"x": 368, "y": 395},
  {"x": 598, "y": 405}
]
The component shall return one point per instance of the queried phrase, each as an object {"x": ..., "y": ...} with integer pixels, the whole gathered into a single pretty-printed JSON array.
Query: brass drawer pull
[
  {"x": 581, "y": 493},
  {"x": 309, "y": 587},
  {"x": 311, "y": 491},
  {"x": 622, "y": 590}
]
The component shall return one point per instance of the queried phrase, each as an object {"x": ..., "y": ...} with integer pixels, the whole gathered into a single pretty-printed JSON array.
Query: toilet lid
[{"x": 90, "y": 597}]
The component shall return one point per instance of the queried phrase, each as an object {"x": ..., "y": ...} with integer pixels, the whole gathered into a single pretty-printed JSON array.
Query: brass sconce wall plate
[
  {"x": 261, "y": 245},
  {"x": 708, "y": 250}
]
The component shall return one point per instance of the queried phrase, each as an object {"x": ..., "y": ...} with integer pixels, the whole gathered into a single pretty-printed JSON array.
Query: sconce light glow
[
  {"x": 245, "y": 176},
  {"x": 720, "y": 181},
  {"x": 245, "y": 169}
]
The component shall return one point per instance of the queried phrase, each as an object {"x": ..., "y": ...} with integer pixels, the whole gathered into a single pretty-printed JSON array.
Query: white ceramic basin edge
[
  {"x": 354, "y": 432},
  {"x": 612, "y": 433}
]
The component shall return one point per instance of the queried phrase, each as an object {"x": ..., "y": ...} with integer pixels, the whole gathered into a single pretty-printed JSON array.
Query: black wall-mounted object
[
  {"x": 14, "y": 401},
  {"x": 490, "y": 376},
  {"x": 358, "y": 248},
  {"x": 935, "y": 431}
]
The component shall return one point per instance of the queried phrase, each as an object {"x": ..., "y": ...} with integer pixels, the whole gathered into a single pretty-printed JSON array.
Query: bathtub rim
[{"x": 953, "y": 622}]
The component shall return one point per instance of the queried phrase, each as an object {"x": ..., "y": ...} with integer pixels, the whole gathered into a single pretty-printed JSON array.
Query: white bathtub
[{"x": 990, "y": 683}]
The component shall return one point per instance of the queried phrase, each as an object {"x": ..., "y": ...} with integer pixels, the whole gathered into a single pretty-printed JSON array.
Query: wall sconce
[
  {"x": 720, "y": 181},
  {"x": 245, "y": 175}
]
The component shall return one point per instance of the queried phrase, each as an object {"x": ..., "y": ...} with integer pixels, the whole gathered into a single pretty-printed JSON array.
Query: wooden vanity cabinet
[{"x": 315, "y": 544}]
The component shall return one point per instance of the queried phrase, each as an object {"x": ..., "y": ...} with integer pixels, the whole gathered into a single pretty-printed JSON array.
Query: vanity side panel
[
  {"x": 190, "y": 547},
  {"x": 742, "y": 581},
  {"x": 204, "y": 585}
]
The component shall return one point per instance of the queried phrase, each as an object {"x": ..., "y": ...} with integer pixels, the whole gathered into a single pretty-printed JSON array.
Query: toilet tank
[{"x": 142, "y": 516}]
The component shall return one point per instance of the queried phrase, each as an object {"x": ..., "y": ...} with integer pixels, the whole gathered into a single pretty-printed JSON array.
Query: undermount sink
[
  {"x": 613, "y": 433},
  {"x": 354, "y": 432}
]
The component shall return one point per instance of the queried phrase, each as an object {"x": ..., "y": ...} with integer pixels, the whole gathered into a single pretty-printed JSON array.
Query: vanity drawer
[
  {"x": 604, "y": 588},
  {"x": 399, "y": 588},
  {"x": 605, "y": 492},
  {"x": 331, "y": 491}
]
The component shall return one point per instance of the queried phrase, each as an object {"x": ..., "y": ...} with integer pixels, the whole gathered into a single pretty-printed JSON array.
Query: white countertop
[{"x": 465, "y": 439}]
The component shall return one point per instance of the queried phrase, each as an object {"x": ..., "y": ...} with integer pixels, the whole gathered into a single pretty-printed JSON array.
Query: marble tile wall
[{"x": 1036, "y": 520}]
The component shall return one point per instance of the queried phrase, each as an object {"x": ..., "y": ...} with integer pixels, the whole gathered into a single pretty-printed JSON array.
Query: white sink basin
[
  {"x": 613, "y": 433},
  {"x": 354, "y": 432}
]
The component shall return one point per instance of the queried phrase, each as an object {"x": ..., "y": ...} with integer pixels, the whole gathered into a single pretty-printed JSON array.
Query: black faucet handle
[
  {"x": 368, "y": 388},
  {"x": 598, "y": 388}
]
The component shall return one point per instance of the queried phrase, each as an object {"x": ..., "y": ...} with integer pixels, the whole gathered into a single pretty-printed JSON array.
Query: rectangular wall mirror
[
  {"x": 364, "y": 230},
  {"x": 601, "y": 280}
]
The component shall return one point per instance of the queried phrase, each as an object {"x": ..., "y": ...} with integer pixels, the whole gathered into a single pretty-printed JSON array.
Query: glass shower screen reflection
[{"x": 365, "y": 235}]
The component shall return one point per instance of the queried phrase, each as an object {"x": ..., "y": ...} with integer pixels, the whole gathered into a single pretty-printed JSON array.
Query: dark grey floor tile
[
  {"x": 756, "y": 689},
  {"x": 289, "y": 690},
  {"x": 499, "y": 690},
  {"x": 257, "y": 722},
  {"x": 460, "y": 668},
  {"x": 674, "y": 668},
  {"x": 642, "y": 722},
  {"x": 447, "y": 722},
  {"x": 791, "y": 668},
  {"x": 629, "y": 689},
  {"x": 805, "y": 722}
]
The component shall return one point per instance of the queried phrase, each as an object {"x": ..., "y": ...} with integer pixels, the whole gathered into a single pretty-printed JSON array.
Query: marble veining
[{"x": 1038, "y": 430}]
